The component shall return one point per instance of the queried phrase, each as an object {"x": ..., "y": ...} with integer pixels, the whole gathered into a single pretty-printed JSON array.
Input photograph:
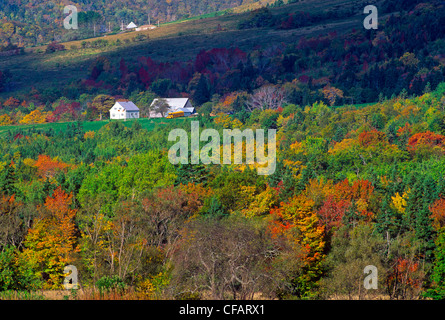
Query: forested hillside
[
  {"x": 41, "y": 21},
  {"x": 360, "y": 172},
  {"x": 353, "y": 187},
  {"x": 354, "y": 66}
]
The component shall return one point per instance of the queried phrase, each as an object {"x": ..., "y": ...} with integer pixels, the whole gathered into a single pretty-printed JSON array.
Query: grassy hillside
[{"x": 40, "y": 70}]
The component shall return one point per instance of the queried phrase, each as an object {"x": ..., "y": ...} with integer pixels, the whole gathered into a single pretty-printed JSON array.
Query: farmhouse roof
[
  {"x": 177, "y": 103},
  {"x": 128, "y": 105}
]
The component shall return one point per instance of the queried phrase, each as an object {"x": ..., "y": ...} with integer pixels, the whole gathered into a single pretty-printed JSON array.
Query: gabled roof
[
  {"x": 177, "y": 103},
  {"x": 127, "y": 105},
  {"x": 131, "y": 25}
]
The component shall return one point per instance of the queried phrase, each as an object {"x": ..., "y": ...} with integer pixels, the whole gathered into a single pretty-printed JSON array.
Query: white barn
[
  {"x": 132, "y": 26},
  {"x": 124, "y": 110},
  {"x": 175, "y": 104}
]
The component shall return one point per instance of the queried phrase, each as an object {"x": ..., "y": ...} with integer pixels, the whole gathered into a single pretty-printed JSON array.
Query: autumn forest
[{"x": 360, "y": 166}]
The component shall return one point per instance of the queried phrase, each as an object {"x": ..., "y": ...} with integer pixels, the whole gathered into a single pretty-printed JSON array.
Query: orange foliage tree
[
  {"x": 359, "y": 193},
  {"x": 370, "y": 138},
  {"x": 403, "y": 278},
  {"x": 48, "y": 167},
  {"x": 438, "y": 213},
  {"x": 404, "y": 131},
  {"x": 331, "y": 94},
  {"x": 298, "y": 220},
  {"x": 427, "y": 139},
  {"x": 50, "y": 244},
  {"x": 360, "y": 189}
]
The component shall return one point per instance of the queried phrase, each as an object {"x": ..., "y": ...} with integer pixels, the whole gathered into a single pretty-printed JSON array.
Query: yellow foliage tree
[
  {"x": 35, "y": 116},
  {"x": 51, "y": 242},
  {"x": 298, "y": 220},
  {"x": 399, "y": 201},
  {"x": 5, "y": 120},
  {"x": 227, "y": 122},
  {"x": 257, "y": 204},
  {"x": 89, "y": 135},
  {"x": 331, "y": 94}
]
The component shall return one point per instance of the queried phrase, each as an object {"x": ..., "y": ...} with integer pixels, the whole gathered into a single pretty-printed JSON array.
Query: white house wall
[
  {"x": 123, "y": 114},
  {"x": 132, "y": 115},
  {"x": 114, "y": 114}
]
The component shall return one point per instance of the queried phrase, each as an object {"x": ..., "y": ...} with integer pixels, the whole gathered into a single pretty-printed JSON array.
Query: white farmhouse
[
  {"x": 124, "y": 110},
  {"x": 175, "y": 104}
]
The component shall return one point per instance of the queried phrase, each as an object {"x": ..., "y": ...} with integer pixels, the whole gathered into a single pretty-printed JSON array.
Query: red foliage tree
[
  {"x": 360, "y": 192},
  {"x": 143, "y": 76},
  {"x": 123, "y": 68},
  {"x": 438, "y": 213},
  {"x": 12, "y": 102},
  {"x": 428, "y": 138},
  {"x": 403, "y": 278},
  {"x": 332, "y": 212},
  {"x": 373, "y": 137},
  {"x": 405, "y": 130}
]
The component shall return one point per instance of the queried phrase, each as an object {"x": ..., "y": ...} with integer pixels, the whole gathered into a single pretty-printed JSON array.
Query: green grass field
[{"x": 146, "y": 123}]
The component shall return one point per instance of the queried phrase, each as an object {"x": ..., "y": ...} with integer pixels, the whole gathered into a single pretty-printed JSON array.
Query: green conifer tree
[
  {"x": 437, "y": 290},
  {"x": 7, "y": 180}
]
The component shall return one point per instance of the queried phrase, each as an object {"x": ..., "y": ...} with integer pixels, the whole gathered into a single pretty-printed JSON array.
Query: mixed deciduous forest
[
  {"x": 360, "y": 177},
  {"x": 354, "y": 186}
]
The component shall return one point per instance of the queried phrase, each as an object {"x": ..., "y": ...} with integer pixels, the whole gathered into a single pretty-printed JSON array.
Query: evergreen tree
[
  {"x": 440, "y": 189},
  {"x": 283, "y": 179},
  {"x": 7, "y": 180},
  {"x": 437, "y": 290},
  {"x": 306, "y": 174},
  {"x": 424, "y": 232},
  {"x": 201, "y": 93},
  {"x": 388, "y": 221},
  {"x": 192, "y": 173},
  {"x": 213, "y": 208},
  {"x": 414, "y": 204},
  {"x": 48, "y": 189},
  {"x": 417, "y": 215}
]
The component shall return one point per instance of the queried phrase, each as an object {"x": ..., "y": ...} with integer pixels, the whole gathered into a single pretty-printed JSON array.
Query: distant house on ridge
[
  {"x": 146, "y": 27},
  {"x": 132, "y": 26}
]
